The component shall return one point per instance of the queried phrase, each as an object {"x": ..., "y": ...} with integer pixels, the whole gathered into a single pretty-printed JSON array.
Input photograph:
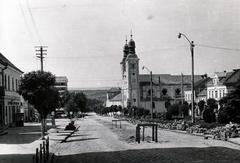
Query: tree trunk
[{"x": 42, "y": 128}]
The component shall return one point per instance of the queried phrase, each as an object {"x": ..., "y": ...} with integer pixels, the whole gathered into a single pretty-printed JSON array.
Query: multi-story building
[
  {"x": 61, "y": 84},
  {"x": 216, "y": 88},
  {"x": 136, "y": 88},
  {"x": 10, "y": 102},
  {"x": 200, "y": 90}
]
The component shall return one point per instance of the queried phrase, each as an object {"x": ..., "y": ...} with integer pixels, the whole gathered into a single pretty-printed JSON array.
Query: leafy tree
[
  {"x": 201, "y": 105},
  {"x": 212, "y": 103},
  {"x": 174, "y": 109},
  {"x": 230, "y": 106},
  {"x": 76, "y": 102},
  {"x": 184, "y": 108},
  {"x": 208, "y": 113},
  {"x": 38, "y": 89},
  {"x": 81, "y": 102}
]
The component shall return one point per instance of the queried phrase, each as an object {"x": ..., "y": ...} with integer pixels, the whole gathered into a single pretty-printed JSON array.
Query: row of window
[
  {"x": 188, "y": 97},
  {"x": 10, "y": 83},
  {"x": 216, "y": 93}
]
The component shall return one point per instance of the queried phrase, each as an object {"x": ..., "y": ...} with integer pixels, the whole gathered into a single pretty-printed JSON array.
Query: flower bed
[{"x": 214, "y": 130}]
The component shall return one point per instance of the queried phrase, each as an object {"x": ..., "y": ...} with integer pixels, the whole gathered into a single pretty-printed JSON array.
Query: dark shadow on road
[
  {"x": 16, "y": 158},
  {"x": 164, "y": 155},
  {"x": 21, "y": 135},
  {"x": 84, "y": 139}
]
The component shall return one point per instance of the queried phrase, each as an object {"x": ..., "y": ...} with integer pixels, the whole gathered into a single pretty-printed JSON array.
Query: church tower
[{"x": 130, "y": 75}]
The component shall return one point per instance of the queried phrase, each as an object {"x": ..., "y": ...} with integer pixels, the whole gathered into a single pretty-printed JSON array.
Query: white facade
[
  {"x": 10, "y": 99},
  {"x": 216, "y": 89},
  {"x": 216, "y": 92}
]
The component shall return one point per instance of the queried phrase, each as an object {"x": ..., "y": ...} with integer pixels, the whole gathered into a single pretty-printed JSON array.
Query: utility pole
[
  {"x": 192, "y": 45},
  {"x": 151, "y": 87},
  {"x": 40, "y": 54},
  {"x": 182, "y": 93},
  {"x": 151, "y": 91},
  {"x": 193, "y": 95}
]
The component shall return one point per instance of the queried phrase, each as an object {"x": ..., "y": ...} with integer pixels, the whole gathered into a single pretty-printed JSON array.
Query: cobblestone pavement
[{"x": 98, "y": 141}]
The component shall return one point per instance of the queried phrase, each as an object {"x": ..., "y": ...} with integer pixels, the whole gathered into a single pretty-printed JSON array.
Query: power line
[
  {"x": 33, "y": 22},
  {"x": 25, "y": 20},
  {"x": 216, "y": 47}
]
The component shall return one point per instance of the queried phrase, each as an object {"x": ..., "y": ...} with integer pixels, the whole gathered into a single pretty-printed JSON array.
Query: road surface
[{"x": 98, "y": 141}]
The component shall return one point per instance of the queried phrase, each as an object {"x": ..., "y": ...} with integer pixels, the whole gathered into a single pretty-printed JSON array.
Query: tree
[
  {"x": 81, "y": 102},
  {"x": 38, "y": 89},
  {"x": 230, "y": 106},
  {"x": 184, "y": 108},
  {"x": 76, "y": 102},
  {"x": 201, "y": 105},
  {"x": 208, "y": 113}
]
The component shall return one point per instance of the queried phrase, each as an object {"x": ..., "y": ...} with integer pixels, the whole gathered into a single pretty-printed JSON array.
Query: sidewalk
[{"x": 25, "y": 140}]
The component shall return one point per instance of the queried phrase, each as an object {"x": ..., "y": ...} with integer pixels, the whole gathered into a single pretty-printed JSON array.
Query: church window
[
  {"x": 177, "y": 91},
  {"x": 164, "y": 91},
  {"x": 133, "y": 66}
]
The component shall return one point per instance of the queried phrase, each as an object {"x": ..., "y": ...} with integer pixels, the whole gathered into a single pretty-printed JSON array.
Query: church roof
[{"x": 168, "y": 78}]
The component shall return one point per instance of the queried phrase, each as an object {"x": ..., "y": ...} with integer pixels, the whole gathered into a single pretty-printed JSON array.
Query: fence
[{"x": 42, "y": 154}]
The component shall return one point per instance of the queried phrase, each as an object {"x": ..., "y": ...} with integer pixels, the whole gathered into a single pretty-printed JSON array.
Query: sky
[{"x": 85, "y": 38}]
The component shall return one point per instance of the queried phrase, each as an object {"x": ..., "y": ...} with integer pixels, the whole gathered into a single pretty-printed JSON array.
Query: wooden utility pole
[
  {"x": 40, "y": 54},
  {"x": 182, "y": 92}
]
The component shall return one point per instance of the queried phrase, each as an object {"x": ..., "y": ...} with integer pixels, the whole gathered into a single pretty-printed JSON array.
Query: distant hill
[{"x": 94, "y": 94}]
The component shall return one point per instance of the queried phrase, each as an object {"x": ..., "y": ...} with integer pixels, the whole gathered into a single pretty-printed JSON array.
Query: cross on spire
[
  {"x": 131, "y": 34},
  {"x": 126, "y": 39}
]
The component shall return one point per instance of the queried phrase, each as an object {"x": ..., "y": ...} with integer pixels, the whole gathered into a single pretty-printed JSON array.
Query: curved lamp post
[
  {"x": 151, "y": 87},
  {"x": 192, "y": 55}
]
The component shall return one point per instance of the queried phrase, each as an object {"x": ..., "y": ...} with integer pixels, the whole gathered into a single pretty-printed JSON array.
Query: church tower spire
[{"x": 131, "y": 45}]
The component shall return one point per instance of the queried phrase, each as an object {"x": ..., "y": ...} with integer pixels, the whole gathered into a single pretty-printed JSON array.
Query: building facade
[
  {"x": 114, "y": 97},
  {"x": 61, "y": 84},
  {"x": 136, "y": 88},
  {"x": 216, "y": 88},
  {"x": 10, "y": 99}
]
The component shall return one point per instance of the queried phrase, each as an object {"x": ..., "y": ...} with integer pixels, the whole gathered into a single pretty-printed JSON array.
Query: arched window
[
  {"x": 177, "y": 91},
  {"x": 164, "y": 91}
]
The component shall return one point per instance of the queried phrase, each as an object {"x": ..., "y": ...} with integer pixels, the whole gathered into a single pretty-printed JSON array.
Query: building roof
[
  {"x": 168, "y": 78},
  {"x": 114, "y": 89},
  {"x": 222, "y": 76},
  {"x": 201, "y": 85},
  {"x": 233, "y": 78},
  {"x": 117, "y": 97},
  {"x": 4, "y": 60}
]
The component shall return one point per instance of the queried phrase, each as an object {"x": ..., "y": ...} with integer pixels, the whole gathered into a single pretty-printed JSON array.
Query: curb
[{"x": 195, "y": 135}]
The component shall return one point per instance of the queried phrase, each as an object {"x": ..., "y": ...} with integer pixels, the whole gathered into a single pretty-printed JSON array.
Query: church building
[{"x": 136, "y": 90}]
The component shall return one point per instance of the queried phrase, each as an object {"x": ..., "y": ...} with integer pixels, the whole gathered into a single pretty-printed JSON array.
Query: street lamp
[
  {"x": 192, "y": 55},
  {"x": 151, "y": 87}
]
